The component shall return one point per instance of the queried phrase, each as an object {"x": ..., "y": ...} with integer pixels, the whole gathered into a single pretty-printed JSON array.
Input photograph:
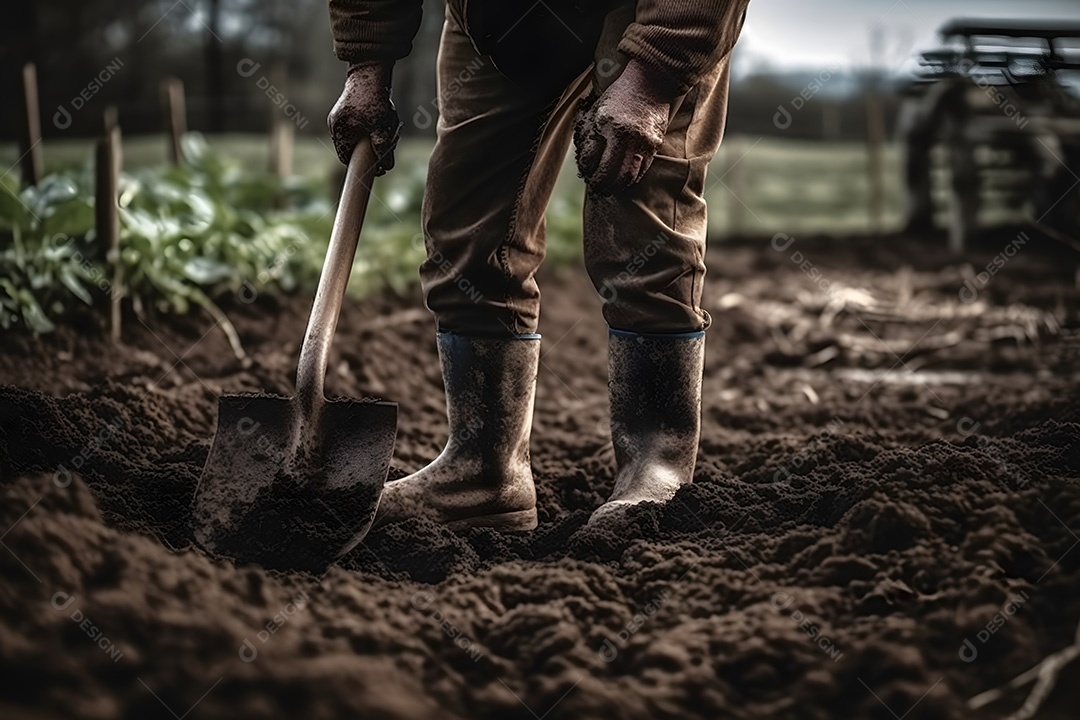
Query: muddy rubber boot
[
  {"x": 483, "y": 477},
  {"x": 655, "y": 386}
]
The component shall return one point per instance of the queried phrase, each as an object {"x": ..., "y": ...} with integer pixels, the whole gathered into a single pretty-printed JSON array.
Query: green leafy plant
[
  {"x": 42, "y": 269},
  {"x": 189, "y": 234}
]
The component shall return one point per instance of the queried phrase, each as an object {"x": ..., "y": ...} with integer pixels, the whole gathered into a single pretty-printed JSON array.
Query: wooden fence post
[
  {"x": 175, "y": 110},
  {"x": 875, "y": 165},
  {"x": 111, "y": 117},
  {"x": 281, "y": 147},
  {"x": 107, "y": 217},
  {"x": 736, "y": 186},
  {"x": 830, "y": 121},
  {"x": 281, "y": 130},
  {"x": 31, "y": 157},
  {"x": 875, "y": 135}
]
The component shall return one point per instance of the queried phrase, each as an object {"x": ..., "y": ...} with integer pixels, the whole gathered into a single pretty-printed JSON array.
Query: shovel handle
[{"x": 311, "y": 370}]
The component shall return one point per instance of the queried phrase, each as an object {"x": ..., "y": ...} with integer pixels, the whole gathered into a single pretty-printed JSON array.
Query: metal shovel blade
[
  {"x": 261, "y": 501},
  {"x": 294, "y": 483}
]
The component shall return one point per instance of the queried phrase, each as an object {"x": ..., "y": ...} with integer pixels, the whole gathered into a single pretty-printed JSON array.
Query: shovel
[{"x": 293, "y": 483}]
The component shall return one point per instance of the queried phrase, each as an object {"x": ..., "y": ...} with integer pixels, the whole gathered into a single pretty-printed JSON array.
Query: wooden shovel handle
[{"x": 311, "y": 371}]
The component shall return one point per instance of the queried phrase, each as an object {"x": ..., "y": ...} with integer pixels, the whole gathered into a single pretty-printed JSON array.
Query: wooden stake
[
  {"x": 281, "y": 147},
  {"x": 875, "y": 139},
  {"x": 736, "y": 173},
  {"x": 107, "y": 216},
  {"x": 281, "y": 129},
  {"x": 830, "y": 122},
  {"x": 175, "y": 110},
  {"x": 31, "y": 157},
  {"x": 111, "y": 117},
  {"x": 875, "y": 135}
]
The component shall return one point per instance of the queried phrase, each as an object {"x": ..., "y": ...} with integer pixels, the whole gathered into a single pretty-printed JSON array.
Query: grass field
[{"x": 756, "y": 186}]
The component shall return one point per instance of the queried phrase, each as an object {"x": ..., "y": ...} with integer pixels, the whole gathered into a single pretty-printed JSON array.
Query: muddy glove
[
  {"x": 364, "y": 108},
  {"x": 618, "y": 134}
]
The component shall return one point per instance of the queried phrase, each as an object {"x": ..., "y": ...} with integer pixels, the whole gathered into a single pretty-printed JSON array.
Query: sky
[{"x": 803, "y": 33}]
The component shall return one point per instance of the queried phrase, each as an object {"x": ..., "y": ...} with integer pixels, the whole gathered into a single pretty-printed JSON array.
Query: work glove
[
  {"x": 365, "y": 109},
  {"x": 618, "y": 133}
]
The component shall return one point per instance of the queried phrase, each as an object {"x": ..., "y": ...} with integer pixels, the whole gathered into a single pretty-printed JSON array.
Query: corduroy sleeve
[
  {"x": 683, "y": 39},
  {"x": 365, "y": 30}
]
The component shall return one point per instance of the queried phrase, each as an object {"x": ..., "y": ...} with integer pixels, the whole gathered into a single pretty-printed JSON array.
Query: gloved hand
[
  {"x": 617, "y": 136},
  {"x": 365, "y": 108}
]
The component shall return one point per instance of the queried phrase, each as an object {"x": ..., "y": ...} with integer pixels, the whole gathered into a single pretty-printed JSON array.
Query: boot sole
[{"x": 510, "y": 522}]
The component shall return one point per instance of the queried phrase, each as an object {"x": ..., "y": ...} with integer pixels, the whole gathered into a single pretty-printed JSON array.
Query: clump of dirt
[{"x": 882, "y": 522}]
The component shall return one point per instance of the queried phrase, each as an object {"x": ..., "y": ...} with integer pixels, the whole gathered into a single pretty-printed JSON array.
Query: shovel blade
[{"x": 262, "y": 499}]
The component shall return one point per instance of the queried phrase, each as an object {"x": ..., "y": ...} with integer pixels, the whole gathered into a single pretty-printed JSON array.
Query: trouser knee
[{"x": 650, "y": 280}]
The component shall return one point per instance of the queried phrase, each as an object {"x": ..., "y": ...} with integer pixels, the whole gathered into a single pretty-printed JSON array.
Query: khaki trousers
[{"x": 499, "y": 150}]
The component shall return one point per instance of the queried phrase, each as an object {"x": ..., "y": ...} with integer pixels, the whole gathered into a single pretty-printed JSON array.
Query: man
[{"x": 642, "y": 89}]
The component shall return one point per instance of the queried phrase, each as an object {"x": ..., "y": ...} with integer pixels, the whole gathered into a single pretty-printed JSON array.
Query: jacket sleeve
[
  {"x": 683, "y": 40},
  {"x": 365, "y": 30}
]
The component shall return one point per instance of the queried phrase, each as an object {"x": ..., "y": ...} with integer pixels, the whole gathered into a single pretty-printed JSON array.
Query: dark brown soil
[{"x": 855, "y": 520}]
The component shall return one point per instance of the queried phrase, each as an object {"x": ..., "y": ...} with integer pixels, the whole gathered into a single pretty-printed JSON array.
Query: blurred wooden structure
[{"x": 993, "y": 112}]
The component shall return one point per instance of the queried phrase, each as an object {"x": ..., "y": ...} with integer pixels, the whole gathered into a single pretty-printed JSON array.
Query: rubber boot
[
  {"x": 483, "y": 477},
  {"x": 655, "y": 386}
]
